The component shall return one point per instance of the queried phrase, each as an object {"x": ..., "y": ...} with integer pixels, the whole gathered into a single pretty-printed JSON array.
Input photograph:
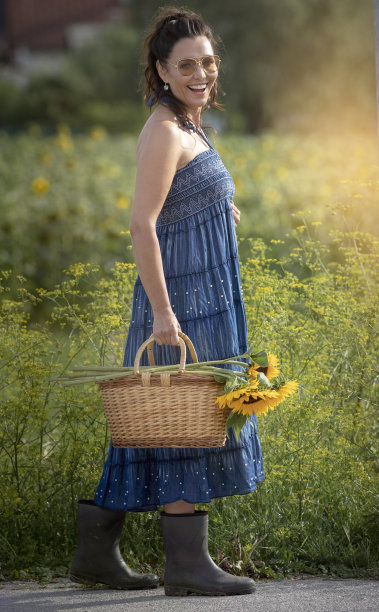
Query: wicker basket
[{"x": 164, "y": 409}]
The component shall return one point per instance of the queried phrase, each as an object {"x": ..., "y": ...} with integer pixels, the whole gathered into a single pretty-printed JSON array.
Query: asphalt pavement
[{"x": 296, "y": 595}]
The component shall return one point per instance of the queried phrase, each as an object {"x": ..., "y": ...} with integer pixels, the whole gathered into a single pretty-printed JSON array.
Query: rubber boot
[
  {"x": 98, "y": 557},
  {"x": 189, "y": 567}
]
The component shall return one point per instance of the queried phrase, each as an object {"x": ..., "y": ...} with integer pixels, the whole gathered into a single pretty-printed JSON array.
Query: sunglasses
[{"x": 187, "y": 66}]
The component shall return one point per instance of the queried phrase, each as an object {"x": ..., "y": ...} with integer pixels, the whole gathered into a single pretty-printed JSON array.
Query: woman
[{"x": 183, "y": 233}]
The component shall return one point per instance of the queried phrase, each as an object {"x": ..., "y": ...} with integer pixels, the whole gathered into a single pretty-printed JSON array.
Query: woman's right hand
[{"x": 166, "y": 327}]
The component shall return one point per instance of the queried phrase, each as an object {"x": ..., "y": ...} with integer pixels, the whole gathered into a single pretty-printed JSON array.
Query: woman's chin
[{"x": 195, "y": 103}]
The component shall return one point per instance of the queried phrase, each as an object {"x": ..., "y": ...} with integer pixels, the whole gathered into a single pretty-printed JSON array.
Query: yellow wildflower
[
  {"x": 40, "y": 186},
  {"x": 123, "y": 202},
  {"x": 98, "y": 133}
]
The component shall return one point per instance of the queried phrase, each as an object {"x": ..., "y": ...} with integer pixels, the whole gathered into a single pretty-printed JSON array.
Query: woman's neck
[{"x": 195, "y": 117}]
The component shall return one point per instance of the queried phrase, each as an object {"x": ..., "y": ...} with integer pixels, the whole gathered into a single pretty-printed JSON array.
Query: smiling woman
[
  {"x": 166, "y": 45},
  {"x": 191, "y": 75},
  {"x": 184, "y": 241}
]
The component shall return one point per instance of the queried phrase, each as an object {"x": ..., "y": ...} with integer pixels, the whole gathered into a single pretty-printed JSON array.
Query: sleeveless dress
[{"x": 197, "y": 238}]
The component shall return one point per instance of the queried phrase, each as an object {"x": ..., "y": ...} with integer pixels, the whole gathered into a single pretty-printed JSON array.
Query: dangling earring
[{"x": 165, "y": 87}]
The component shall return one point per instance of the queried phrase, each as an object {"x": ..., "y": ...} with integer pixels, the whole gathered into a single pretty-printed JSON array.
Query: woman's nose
[{"x": 199, "y": 70}]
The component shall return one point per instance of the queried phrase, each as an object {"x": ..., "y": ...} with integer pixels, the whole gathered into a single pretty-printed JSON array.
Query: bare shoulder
[
  {"x": 158, "y": 155},
  {"x": 160, "y": 139}
]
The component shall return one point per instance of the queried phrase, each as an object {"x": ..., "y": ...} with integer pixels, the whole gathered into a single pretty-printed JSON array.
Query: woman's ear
[{"x": 162, "y": 71}]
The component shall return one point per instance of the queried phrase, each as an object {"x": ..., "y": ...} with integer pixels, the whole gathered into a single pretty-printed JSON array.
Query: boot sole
[
  {"x": 177, "y": 591},
  {"x": 89, "y": 581}
]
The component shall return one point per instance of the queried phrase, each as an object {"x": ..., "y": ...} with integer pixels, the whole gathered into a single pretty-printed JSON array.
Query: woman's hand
[
  {"x": 166, "y": 327},
  {"x": 236, "y": 213}
]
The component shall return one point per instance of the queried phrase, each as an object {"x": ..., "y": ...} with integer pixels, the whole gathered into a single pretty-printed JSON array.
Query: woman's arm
[{"x": 157, "y": 159}]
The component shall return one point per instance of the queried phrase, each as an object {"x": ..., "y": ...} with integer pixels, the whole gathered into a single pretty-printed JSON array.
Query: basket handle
[
  {"x": 186, "y": 339},
  {"x": 183, "y": 340}
]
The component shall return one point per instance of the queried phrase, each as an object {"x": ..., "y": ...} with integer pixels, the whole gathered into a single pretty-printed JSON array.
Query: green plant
[{"x": 316, "y": 510}]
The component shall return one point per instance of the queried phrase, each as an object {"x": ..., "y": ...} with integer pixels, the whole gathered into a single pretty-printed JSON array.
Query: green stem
[
  {"x": 87, "y": 374},
  {"x": 229, "y": 362},
  {"x": 82, "y": 378},
  {"x": 90, "y": 379},
  {"x": 101, "y": 369}
]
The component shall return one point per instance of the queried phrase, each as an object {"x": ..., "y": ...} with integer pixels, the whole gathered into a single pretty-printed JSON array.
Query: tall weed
[{"x": 316, "y": 509}]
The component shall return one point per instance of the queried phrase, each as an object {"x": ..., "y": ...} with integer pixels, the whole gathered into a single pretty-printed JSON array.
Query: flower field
[
  {"x": 67, "y": 198},
  {"x": 309, "y": 271}
]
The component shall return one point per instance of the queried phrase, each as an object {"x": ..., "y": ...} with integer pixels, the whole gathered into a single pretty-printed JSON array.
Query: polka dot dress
[{"x": 198, "y": 243}]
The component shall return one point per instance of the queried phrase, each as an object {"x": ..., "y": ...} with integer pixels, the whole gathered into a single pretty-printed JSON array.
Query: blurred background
[
  {"x": 289, "y": 64},
  {"x": 298, "y": 133}
]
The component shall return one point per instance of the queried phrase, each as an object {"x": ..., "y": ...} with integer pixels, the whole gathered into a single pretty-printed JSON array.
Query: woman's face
[{"x": 187, "y": 88}]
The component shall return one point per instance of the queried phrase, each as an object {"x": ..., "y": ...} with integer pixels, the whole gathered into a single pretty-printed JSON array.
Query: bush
[
  {"x": 315, "y": 512},
  {"x": 117, "y": 118},
  {"x": 53, "y": 99},
  {"x": 97, "y": 85},
  {"x": 11, "y": 99}
]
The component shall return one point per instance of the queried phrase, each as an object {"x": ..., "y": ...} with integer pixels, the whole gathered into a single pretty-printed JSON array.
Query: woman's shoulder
[{"x": 160, "y": 131}]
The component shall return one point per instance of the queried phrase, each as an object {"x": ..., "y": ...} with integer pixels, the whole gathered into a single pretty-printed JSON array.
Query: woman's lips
[{"x": 198, "y": 89}]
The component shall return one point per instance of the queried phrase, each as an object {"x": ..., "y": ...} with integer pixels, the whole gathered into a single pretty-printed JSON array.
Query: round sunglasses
[{"x": 187, "y": 66}]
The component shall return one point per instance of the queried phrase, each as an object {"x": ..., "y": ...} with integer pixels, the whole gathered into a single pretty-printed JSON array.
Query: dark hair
[{"x": 170, "y": 25}]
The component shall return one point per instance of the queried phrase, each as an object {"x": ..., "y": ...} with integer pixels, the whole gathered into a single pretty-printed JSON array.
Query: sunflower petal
[{"x": 273, "y": 366}]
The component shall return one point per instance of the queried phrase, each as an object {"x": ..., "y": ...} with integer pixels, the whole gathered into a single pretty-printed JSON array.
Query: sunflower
[
  {"x": 253, "y": 370},
  {"x": 256, "y": 402},
  {"x": 251, "y": 400},
  {"x": 226, "y": 400},
  {"x": 270, "y": 371}
]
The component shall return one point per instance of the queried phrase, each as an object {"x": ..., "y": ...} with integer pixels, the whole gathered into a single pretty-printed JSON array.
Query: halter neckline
[{"x": 189, "y": 125}]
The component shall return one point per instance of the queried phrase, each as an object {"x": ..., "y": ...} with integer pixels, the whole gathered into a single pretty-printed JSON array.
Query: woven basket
[{"x": 163, "y": 409}]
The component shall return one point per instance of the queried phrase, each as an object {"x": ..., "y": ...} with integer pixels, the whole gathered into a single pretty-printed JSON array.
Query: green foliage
[
  {"x": 321, "y": 460},
  {"x": 285, "y": 65},
  {"x": 109, "y": 65},
  {"x": 291, "y": 64},
  {"x": 51, "y": 99},
  {"x": 97, "y": 85},
  {"x": 316, "y": 509},
  {"x": 237, "y": 421},
  {"x": 10, "y": 101},
  {"x": 53, "y": 440},
  {"x": 81, "y": 212},
  {"x": 309, "y": 289}
]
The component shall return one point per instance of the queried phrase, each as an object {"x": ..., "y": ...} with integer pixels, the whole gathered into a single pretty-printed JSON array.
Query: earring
[{"x": 165, "y": 87}]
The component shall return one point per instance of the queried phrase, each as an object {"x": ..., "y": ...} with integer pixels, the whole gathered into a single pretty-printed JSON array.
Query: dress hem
[{"x": 155, "y": 507}]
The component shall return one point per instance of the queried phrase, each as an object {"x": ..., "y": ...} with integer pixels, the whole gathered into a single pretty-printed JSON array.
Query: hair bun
[{"x": 174, "y": 17}]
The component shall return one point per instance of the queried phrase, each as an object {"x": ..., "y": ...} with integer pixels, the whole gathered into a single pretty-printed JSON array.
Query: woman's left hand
[{"x": 236, "y": 213}]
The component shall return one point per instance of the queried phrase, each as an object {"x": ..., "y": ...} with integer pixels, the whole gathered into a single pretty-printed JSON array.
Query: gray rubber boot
[
  {"x": 98, "y": 557},
  {"x": 189, "y": 567}
]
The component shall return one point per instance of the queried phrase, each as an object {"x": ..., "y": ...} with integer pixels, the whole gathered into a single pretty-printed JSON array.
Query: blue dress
[{"x": 198, "y": 243}]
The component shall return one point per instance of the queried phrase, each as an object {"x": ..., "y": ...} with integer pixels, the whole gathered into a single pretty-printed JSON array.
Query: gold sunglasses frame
[{"x": 199, "y": 61}]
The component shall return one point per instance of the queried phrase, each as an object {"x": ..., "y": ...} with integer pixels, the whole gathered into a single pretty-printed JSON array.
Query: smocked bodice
[{"x": 201, "y": 183}]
